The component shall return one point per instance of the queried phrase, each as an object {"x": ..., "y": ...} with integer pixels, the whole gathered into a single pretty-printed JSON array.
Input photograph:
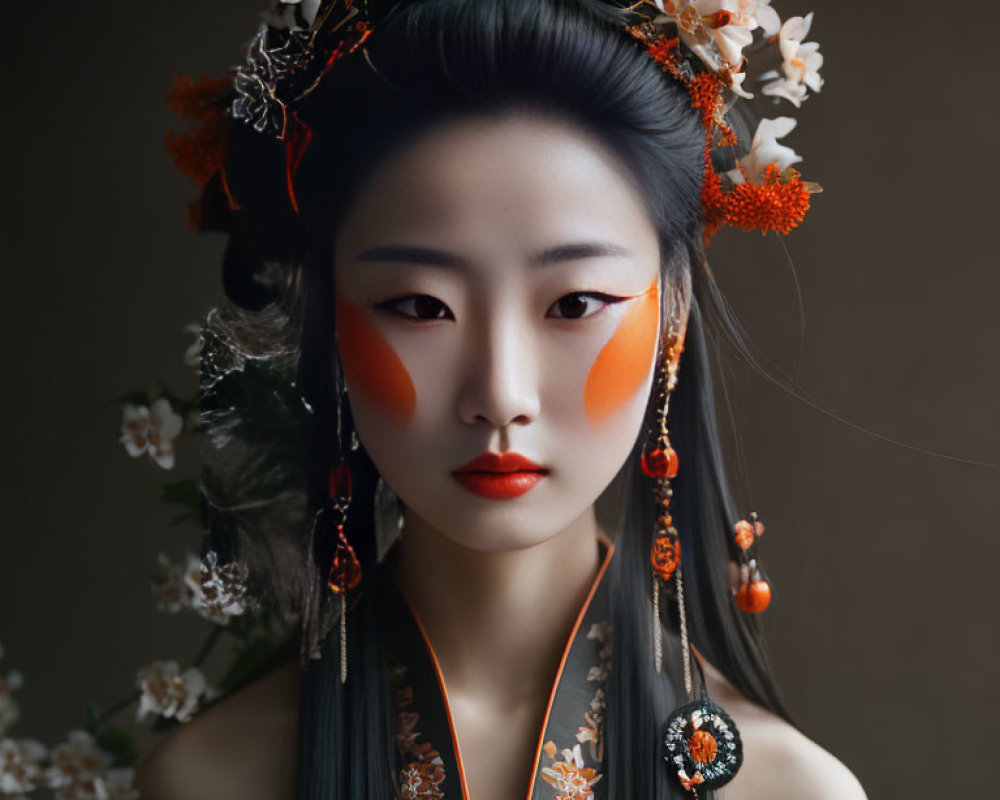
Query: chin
[{"x": 499, "y": 528}]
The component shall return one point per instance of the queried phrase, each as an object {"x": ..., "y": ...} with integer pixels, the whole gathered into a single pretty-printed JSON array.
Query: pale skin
[{"x": 501, "y": 354}]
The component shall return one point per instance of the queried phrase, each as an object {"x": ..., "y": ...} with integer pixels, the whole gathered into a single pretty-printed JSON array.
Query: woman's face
[{"x": 498, "y": 290}]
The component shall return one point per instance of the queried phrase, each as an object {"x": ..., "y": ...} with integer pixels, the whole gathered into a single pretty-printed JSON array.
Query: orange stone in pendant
[
  {"x": 702, "y": 747},
  {"x": 753, "y": 597},
  {"x": 744, "y": 534},
  {"x": 665, "y": 556},
  {"x": 660, "y": 463},
  {"x": 345, "y": 569}
]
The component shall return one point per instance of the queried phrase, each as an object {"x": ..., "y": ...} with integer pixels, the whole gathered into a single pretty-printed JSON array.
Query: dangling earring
[
  {"x": 702, "y": 744},
  {"x": 659, "y": 461},
  {"x": 754, "y": 592},
  {"x": 345, "y": 568}
]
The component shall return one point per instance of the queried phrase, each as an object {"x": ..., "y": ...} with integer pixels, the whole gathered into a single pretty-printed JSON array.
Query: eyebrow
[{"x": 412, "y": 254}]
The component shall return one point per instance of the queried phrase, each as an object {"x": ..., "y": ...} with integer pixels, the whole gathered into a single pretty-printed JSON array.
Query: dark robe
[{"x": 569, "y": 753}]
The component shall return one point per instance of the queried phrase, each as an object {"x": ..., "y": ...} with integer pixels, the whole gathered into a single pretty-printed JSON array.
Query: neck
[{"x": 498, "y": 621}]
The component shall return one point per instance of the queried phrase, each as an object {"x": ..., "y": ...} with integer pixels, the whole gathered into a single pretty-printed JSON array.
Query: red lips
[{"x": 499, "y": 476}]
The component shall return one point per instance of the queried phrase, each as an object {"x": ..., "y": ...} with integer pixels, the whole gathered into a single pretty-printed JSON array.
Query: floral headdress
[{"x": 704, "y": 44}]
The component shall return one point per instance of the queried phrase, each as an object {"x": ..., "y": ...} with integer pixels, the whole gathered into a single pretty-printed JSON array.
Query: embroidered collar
[{"x": 569, "y": 755}]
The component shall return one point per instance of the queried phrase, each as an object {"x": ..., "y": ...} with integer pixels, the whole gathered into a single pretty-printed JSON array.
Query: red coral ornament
[
  {"x": 703, "y": 747},
  {"x": 744, "y": 534},
  {"x": 345, "y": 569},
  {"x": 665, "y": 556},
  {"x": 753, "y": 597},
  {"x": 660, "y": 463}
]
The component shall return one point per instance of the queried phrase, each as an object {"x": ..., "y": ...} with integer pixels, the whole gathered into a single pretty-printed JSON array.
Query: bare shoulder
[
  {"x": 244, "y": 747},
  {"x": 779, "y": 762}
]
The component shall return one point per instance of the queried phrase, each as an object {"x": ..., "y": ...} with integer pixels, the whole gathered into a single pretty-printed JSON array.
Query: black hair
[{"x": 431, "y": 61}]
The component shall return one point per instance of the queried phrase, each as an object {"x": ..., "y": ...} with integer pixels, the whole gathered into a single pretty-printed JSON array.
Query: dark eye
[
  {"x": 418, "y": 306},
  {"x": 581, "y": 304}
]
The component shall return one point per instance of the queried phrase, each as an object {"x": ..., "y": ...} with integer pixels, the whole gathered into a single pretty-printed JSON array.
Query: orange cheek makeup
[
  {"x": 371, "y": 364},
  {"x": 623, "y": 363}
]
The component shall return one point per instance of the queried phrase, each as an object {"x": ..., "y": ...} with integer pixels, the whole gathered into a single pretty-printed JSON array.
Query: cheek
[
  {"x": 622, "y": 366},
  {"x": 370, "y": 363}
]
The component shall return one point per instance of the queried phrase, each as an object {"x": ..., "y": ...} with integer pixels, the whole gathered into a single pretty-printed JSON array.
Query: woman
[{"x": 480, "y": 227}]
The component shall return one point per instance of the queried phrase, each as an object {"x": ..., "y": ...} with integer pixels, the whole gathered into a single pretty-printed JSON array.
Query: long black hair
[{"x": 431, "y": 61}]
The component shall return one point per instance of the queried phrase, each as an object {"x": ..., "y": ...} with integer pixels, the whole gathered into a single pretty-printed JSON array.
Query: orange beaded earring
[
  {"x": 659, "y": 461},
  {"x": 754, "y": 592}
]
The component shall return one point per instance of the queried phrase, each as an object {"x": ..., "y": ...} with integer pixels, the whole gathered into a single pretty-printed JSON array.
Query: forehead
[{"x": 508, "y": 185}]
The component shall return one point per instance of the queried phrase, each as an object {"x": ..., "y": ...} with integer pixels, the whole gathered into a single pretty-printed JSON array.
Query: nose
[{"x": 501, "y": 381}]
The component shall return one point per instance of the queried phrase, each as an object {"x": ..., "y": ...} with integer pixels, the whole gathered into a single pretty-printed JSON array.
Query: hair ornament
[
  {"x": 297, "y": 44},
  {"x": 701, "y": 43}
]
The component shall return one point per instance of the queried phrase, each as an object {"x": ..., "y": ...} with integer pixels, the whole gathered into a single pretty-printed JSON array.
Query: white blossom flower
[
  {"x": 192, "y": 356},
  {"x": 19, "y": 766},
  {"x": 169, "y": 584},
  {"x": 736, "y": 85},
  {"x": 800, "y": 63},
  {"x": 167, "y": 691},
  {"x": 697, "y": 24},
  {"x": 151, "y": 430},
  {"x": 218, "y": 593},
  {"x": 767, "y": 17},
  {"x": 777, "y": 86},
  {"x": 78, "y": 768},
  {"x": 764, "y": 150},
  {"x": 80, "y": 771}
]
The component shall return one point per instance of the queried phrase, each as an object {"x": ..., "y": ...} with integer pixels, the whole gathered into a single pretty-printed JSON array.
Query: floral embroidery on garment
[
  {"x": 593, "y": 731},
  {"x": 571, "y": 777},
  {"x": 422, "y": 770}
]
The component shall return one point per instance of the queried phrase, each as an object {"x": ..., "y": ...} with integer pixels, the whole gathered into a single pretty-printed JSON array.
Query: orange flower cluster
[
  {"x": 779, "y": 204},
  {"x": 199, "y": 153},
  {"x": 776, "y": 205}
]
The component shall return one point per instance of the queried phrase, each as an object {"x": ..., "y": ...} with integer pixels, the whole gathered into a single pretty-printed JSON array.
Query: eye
[
  {"x": 417, "y": 307},
  {"x": 579, "y": 305}
]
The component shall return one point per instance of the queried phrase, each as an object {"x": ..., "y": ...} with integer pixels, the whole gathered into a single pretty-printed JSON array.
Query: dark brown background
[{"x": 882, "y": 544}]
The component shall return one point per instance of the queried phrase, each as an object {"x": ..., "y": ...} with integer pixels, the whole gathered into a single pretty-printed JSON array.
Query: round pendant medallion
[{"x": 702, "y": 745}]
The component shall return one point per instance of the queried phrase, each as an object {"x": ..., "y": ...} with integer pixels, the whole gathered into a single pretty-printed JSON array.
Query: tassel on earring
[
  {"x": 702, "y": 746},
  {"x": 345, "y": 568}
]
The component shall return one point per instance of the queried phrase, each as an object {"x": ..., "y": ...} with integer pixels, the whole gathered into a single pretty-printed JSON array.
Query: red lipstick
[{"x": 499, "y": 476}]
